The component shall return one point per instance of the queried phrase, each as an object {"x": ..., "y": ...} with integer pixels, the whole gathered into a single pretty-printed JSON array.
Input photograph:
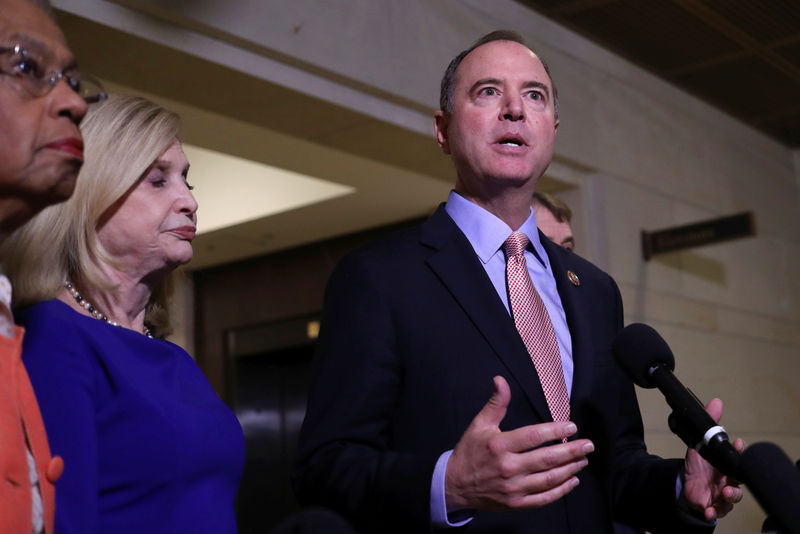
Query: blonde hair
[{"x": 123, "y": 136}]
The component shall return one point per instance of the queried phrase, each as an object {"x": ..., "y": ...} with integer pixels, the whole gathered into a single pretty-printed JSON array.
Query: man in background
[
  {"x": 553, "y": 217},
  {"x": 41, "y": 152}
]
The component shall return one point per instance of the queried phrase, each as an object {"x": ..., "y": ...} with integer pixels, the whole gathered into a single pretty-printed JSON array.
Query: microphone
[
  {"x": 775, "y": 483},
  {"x": 649, "y": 362}
]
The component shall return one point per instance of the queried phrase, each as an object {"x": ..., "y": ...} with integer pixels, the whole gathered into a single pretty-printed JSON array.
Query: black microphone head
[
  {"x": 775, "y": 481},
  {"x": 638, "y": 348}
]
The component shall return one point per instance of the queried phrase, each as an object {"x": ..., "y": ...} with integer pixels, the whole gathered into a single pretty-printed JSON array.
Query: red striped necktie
[{"x": 534, "y": 326}]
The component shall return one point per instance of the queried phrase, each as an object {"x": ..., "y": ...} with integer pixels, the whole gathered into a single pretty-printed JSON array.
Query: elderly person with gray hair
[
  {"x": 41, "y": 152},
  {"x": 149, "y": 445}
]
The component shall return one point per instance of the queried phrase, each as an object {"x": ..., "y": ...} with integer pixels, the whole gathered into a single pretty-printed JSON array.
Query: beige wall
[{"x": 639, "y": 153}]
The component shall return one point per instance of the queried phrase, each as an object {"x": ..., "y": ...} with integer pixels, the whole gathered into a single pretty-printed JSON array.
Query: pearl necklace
[{"x": 97, "y": 314}]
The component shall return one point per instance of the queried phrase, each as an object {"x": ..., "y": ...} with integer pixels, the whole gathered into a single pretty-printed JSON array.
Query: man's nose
[{"x": 512, "y": 107}]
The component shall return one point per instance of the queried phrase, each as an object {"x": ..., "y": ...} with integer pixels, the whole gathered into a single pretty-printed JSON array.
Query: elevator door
[{"x": 270, "y": 391}]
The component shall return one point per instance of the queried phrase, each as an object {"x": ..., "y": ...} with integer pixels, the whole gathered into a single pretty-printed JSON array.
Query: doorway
[{"x": 270, "y": 372}]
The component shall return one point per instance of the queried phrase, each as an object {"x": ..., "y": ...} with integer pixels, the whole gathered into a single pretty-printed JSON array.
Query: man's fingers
[
  {"x": 536, "y": 500},
  {"x": 714, "y": 409},
  {"x": 546, "y": 480},
  {"x": 528, "y": 437},
  {"x": 733, "y": 494},
  {"x": 554, "y": 457},
  {"x": 542, "y": 468},
  {"x": 495, "y": 409},
  {"x": 730, "y": 496}
]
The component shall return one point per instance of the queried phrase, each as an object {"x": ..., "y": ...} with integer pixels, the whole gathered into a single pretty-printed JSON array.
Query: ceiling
[
  {"x": 259, "y": 122},
  {"x": 742, "y": 56},
  {"x": 228, "y": 114}
]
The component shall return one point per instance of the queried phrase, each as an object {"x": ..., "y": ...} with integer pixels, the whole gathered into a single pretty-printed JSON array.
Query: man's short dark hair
[
  {"x": 554, "y": 205},
  {"x": 449, "y": 79}
]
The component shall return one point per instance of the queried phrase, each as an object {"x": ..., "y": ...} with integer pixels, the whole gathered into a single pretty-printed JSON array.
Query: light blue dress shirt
[{"x": 487, "y": 234}]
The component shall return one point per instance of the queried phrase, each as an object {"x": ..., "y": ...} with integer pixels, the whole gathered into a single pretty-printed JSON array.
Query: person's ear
[{"x": 440, "y": 123}]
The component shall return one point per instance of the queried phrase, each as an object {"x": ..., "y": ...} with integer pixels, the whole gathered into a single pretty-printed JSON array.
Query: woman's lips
[
  {"x": 184, "y": 232},
  {"x": 72, "y": 146}
]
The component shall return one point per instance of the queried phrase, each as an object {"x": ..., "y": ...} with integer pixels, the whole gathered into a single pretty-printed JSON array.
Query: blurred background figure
[
  {"x": 553, "y": 218},
  {"x": 41, "y": 152},
  {"x": 147, "y": 443}
]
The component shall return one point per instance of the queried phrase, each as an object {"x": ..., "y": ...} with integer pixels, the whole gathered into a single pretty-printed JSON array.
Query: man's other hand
[{"x": 706, "y": 489}]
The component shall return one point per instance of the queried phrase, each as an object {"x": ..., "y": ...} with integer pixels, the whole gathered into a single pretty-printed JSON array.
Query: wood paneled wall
[{"x": 263, "y": 290}]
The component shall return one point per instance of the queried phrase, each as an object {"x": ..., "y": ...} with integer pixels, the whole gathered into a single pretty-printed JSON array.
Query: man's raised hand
[{"x": 494, "y": 470}]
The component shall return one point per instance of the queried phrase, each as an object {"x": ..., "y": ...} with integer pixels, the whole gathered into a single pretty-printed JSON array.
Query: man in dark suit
[{"x": 418, "y": 332}]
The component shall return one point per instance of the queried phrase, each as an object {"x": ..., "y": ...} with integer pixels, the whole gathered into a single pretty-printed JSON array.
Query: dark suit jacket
[{"x": 412, "y": 334}]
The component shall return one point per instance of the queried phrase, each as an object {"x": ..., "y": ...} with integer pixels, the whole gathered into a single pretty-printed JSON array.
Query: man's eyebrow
[
  {"x": 485, "y": 81},
  {"x": 538, "y": 85}
]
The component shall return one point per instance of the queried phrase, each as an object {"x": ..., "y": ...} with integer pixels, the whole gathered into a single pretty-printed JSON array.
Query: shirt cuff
[{"x": 440, "y": 516}]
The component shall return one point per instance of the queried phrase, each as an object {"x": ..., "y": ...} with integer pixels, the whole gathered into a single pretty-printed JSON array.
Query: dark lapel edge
[
  {"x": 575, "y": 309},
  {"x": 458, "y": 267}
]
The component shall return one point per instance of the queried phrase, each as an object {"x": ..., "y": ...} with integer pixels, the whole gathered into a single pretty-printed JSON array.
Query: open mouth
[{"x": 511, "y": 140}]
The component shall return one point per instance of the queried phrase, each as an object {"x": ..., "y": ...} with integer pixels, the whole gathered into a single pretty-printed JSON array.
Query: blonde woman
[{"x": 148, "y": 445}]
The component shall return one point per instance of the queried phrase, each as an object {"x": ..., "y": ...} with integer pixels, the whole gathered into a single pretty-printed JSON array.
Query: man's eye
[
  {"x": 535, "y": 95},
  {"x": 488, "y": 91}
]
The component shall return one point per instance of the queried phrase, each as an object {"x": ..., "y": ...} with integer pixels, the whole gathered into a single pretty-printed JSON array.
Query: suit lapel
[
  {"x": 578, "y": 319},
  {"x": 457, "y": 266}
]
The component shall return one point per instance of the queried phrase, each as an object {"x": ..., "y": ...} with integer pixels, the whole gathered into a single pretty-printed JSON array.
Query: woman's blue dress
[{"x": 148, "y": 446}]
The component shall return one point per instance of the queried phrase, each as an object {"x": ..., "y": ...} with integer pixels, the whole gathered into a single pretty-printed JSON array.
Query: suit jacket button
[{"x": 55, "y": 469}]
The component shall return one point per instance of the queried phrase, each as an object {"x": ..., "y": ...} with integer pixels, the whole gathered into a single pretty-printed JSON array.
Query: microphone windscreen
[
  {"x": 775, "y": 482},
  {"x": 638, "y": 348}
]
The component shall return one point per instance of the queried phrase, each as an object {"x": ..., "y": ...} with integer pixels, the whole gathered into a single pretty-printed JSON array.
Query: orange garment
[{"x": 20, "y": 420}]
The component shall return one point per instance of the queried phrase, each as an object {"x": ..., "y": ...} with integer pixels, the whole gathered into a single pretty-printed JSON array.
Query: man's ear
[
  {"x": 440, "y": 123},
  {"x": 555, "y": 126}
]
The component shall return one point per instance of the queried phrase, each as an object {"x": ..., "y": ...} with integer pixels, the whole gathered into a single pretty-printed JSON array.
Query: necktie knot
[{"x": 515, "y": 244}]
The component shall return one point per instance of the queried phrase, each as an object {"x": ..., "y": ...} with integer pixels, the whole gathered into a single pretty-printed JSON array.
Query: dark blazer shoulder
[{"x": 403, "y": 247}]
